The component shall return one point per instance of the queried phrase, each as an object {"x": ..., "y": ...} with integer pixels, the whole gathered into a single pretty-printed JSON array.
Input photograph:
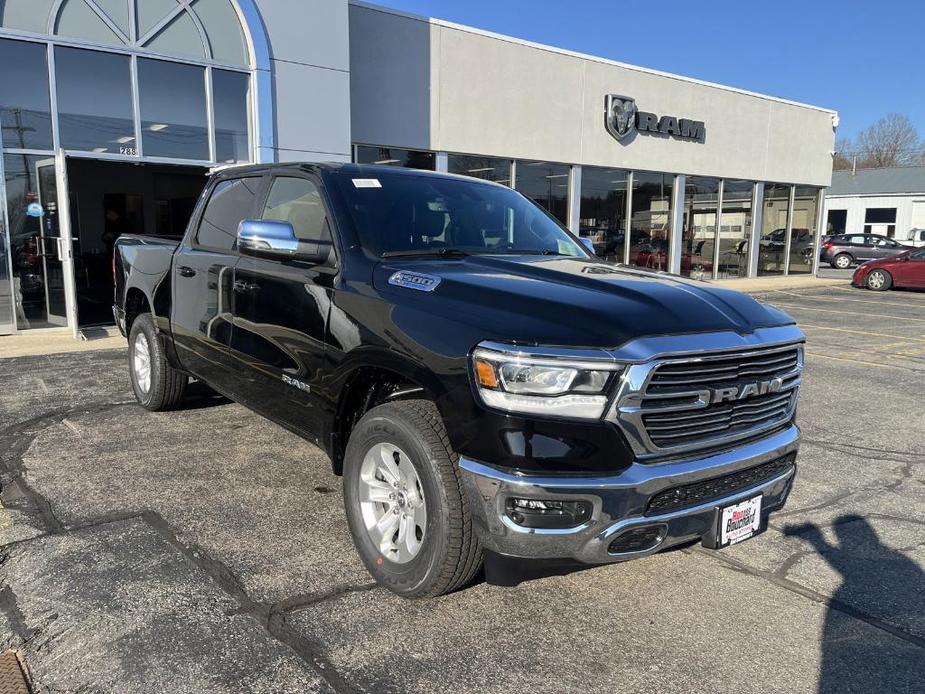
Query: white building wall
[
  {"x": 311, "y": 78},
  {"x": 429, "y": 84},
  {"x": 856, "y": 205}
]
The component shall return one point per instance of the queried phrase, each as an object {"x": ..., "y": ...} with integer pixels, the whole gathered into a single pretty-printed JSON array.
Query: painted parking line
[
  {"x": 849, "y": 313},
  {"x": 920, "y": 296},
  {"x": 865, "y": 333},
  {"x": 865, "y": 362},
  {"x": 820, "y": 297}
]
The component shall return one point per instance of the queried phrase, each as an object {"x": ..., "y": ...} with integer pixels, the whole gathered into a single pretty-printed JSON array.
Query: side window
[
  {"x": 857, "y": 239},
  {"x": 231, "y": 202},
  {"x": 298, "y": 201},
  {"x": 918, "y": 255}
]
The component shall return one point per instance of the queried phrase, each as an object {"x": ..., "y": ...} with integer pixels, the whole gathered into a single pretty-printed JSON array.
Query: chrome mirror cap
[{"x": 267, "y": 238}]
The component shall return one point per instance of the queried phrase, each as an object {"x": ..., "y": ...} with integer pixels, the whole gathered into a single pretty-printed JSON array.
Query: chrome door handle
[
  {"x": 186, "y": 271},
  {"x": 246, "y": 287}
]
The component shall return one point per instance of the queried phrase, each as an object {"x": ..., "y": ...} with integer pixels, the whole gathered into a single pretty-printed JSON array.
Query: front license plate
[{"x": 739, "y": 522}]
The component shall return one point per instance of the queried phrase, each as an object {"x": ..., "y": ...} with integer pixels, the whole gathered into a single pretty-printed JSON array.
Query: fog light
[{"x": 547, "y": 513}]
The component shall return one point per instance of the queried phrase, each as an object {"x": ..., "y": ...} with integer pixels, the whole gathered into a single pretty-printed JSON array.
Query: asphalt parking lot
[{"x": 206, "y": 550}]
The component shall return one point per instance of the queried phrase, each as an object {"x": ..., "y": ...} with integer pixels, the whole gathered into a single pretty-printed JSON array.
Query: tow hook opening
[
  {"x": 639, "y": 539},
  {"x": 549, "y": 514}
]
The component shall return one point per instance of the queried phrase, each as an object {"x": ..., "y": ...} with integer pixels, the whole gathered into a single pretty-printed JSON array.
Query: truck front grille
[
  {"x": 698, "y": 493},
  {"x": 684, "y": 403}
]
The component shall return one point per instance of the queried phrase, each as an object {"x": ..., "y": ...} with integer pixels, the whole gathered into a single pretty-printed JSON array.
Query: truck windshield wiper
[{"x": 427, "y": 253}]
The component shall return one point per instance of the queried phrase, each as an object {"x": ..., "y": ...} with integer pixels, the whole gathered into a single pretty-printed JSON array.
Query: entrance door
[{"x": 53, "y": 242}]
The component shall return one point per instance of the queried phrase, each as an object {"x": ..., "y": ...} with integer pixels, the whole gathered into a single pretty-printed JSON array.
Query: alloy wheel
[
  {"x": 875, "y": 280},
  {"x": 392, "y": 503},
  {"x": 141, "y": 362}
]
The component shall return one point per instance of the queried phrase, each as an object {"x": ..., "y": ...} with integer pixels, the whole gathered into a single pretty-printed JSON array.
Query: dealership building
[
  {"x": 113, "y": 111},
  {"x": 888, "y": 201}
]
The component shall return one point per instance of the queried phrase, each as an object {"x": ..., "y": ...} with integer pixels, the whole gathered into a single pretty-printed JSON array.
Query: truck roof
[{"x": 368, "y": 170}]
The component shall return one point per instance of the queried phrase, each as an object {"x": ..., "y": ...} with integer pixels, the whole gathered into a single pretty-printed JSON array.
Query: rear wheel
[
  {"x": 842, "y": 261},
  {"x": 156, "y": 384},
  {"x": 405, "y": 503},
  {"x": 879, "y": 280}
]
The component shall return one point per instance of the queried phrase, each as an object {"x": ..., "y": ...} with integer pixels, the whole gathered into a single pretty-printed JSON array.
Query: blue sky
[{"x": 863, "y": 59}]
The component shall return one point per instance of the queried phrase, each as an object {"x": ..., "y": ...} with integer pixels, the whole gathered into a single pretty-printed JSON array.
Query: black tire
[
  {"x": 842, "y": 261},
  {"x": 882, "y": 280},
  {"x": 165, "y": 385},
  {"x": 450, "y": 553}
]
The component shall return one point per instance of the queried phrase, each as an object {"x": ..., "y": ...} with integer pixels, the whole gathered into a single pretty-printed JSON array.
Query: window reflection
[
  {"x": 735, "y": 228},
  {"x": 650, "y": 234},
  {"x": 173, "y": 110},
  {"x": 94, "y": 101},
  {"x": 230, "y": 94},
  {"x": 698, "y": 233},
  {"x": 393, "y": 156},
  {"x": 803, "y": 235},
  {"x": 488, "y": 168},
  {"x": 24, "y": 104},
  {"x": 602, "y": 216},
  {"x": 546, "y": 184},
  {"x": 773, "y": 229}
]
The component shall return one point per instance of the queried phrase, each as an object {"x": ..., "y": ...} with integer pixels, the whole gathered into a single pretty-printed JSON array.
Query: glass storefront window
[
  {"x": 393, "y": 156},
  {"x": 735, "y": 228},
  {"x": 698, "y": 233},
  {"x": 803, "y": 234},
  {"x": 488, "y": 168},
  {"x": 24, "y": 102},
  {"x": 94, "y": 101},
  {"x": 173, "y": 110},
  {"x": 546, "y": 184},
  {"x": 37, "y": 279},
  {"x": 230, "y": 95},
  {"x": 773, "y": 229},
  {"x": 602, "y": 216},
  {"x": 650, "y": 225}
]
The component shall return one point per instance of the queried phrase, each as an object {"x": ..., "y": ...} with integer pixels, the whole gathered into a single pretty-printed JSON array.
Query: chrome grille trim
[{"x": 666, "y": 406}]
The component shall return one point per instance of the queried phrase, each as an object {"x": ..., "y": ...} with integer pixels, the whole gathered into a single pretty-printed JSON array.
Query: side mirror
[
  {"x": 276, "y": 240},
  {"x": 268, "y": 239},
  {"x": 588, "y": 244}
]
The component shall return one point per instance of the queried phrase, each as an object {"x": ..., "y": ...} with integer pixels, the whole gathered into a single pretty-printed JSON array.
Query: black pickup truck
[{"x": 487, "y": 387}]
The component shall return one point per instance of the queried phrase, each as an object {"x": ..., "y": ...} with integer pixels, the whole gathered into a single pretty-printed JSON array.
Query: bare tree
[
  {"x": 891, "y": 141},
  {"x": 844, "y": 151}
]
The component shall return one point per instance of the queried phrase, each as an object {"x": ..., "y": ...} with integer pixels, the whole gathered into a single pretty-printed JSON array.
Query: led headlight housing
[{"x": 524, "y": 381}]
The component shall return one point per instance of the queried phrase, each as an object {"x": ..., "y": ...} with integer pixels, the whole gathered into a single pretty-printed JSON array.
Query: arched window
[{"x": 208, "y": 30}]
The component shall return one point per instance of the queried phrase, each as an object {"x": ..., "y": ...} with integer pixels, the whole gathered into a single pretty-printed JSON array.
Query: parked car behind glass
[{"x": 844, "y": 250}]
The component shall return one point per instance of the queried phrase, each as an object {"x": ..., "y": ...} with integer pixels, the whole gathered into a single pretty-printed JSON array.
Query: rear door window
[
  {"x": 231, "y": 202},
  {"x": 857, "y": 240}
]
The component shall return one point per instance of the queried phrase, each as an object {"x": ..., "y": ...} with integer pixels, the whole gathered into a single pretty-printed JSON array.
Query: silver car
[{"x": 844, "y": 250}]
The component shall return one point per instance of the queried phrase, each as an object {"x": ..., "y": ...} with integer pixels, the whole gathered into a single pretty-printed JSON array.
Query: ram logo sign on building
[{"x": 622, "y": 119}]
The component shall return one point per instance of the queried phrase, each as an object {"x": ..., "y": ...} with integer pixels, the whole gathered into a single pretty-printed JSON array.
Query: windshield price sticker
[{"x": 366, "y": 183}]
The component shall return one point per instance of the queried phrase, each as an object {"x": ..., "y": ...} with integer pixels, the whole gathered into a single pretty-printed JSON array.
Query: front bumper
[{"x": 620, "y": 501}]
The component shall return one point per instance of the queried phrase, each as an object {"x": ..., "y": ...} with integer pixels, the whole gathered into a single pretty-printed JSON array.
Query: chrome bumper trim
[{"x": 618, "y": 501}]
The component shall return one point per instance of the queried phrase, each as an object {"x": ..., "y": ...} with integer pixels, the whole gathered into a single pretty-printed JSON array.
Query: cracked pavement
[{"x": 206, "y": 550}]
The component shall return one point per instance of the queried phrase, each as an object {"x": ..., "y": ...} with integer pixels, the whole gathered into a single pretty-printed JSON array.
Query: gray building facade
[{"x": 113, "y": 111}]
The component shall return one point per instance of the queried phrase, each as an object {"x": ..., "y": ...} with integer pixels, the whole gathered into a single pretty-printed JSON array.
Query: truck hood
[{"x": 566, "y": 301}]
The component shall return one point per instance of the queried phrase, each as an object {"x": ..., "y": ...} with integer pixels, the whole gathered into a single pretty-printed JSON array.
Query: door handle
[
  {"x": 246, "y": 287},
  {"x": 186, "y": 271}
]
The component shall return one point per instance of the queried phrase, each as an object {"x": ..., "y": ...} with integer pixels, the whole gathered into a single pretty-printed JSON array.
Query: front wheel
[
  {"x": 405, "y": 504},
  {"x": 879, "y": 281},
  {"x": 157, "y": 385}
]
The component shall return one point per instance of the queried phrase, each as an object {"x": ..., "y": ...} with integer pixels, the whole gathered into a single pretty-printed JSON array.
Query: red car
[{"x": 903, "y": 270}]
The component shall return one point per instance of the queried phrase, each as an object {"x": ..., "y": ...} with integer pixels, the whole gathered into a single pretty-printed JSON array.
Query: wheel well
[
  {"x": 367, "y": 388},
  {"x": 136, "y": 303}
]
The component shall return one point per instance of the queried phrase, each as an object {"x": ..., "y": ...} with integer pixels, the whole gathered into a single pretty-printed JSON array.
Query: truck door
[
  {"x": 281, "y": 311},
  {"x": 202, "y": 284}
]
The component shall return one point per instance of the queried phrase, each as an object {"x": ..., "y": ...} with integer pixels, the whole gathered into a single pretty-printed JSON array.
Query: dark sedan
[
  {"x": 844, "y": 250},
  {"x": 904, "y": 270}
]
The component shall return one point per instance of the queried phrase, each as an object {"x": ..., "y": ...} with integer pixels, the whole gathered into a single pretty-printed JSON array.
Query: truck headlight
[{"x": 522, "y": 382}]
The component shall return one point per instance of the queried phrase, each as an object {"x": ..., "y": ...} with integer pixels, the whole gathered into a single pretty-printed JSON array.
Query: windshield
[{"x": 397, "y": 215}]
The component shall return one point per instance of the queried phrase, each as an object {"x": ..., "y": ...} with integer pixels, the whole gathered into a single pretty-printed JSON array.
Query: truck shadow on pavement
[
  {"x": 199, "y": 397},
  {"x": 881, "y": 587}
]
